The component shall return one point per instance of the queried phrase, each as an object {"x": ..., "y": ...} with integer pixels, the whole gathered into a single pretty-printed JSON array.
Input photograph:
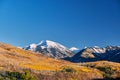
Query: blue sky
[{"x": 76, "y": 23}]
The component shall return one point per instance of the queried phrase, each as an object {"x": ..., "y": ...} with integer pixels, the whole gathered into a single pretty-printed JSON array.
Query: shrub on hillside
[
  {"x": 108, "y": 71},
  {"x": 68, "y": 69},
  {"x": 18, "y": 76}
]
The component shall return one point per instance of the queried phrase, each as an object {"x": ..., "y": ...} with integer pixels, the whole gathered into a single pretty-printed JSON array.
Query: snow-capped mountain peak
[
  {"x": 50, "y": 48},
  {"x": 48, "y": 43},
  {"x": 74, "y": 49}
]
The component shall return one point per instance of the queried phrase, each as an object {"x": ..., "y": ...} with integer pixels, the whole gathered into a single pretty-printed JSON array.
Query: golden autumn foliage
[{"x": 45, "y": 68}]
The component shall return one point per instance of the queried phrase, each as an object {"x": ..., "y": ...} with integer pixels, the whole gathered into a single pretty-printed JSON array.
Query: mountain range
[
  {"x": 109, "y": 53},
  {"x": 88, "y": 54}
]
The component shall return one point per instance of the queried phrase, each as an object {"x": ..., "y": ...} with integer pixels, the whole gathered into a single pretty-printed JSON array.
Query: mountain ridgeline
[
  {"x": 89, "y": 54},
  {"x": 109, "y": 53}
]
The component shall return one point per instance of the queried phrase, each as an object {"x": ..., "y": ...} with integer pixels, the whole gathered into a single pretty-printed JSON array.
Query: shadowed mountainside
[{"x": 109, "y": 53}]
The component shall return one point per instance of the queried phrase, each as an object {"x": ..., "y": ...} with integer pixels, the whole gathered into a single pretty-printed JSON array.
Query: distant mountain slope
[
  {"x": 51, "y": 49},
  {"x": 110, "y": 53}
]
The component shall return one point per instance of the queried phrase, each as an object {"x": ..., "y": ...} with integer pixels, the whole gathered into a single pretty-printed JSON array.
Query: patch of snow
[
  {"x": 33, "y": 47},
  {"x": 85, "y": 47},
  {"x": 74, "y": 49},
  {"x": 99, "y": 50},
  {"x": 96, "y": 47}
]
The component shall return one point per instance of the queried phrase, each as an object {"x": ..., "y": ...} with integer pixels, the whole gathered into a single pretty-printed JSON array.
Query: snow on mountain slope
[
  {"x": 110, "y": 53},
  {"x": 51, "y": 49},
  {"x": 74, "y": 49},
  {"x": 96, "y": 50}
]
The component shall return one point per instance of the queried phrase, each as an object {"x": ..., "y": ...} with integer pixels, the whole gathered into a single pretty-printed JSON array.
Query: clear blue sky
[{"x": 76, "y": 23}]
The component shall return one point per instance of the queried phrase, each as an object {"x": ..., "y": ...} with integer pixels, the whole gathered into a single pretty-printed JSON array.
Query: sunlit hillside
[
  {"x": 14, "y": 62},
  {"x": 14, "y": 58},
  {"x": 111, "y": 70},
  {"x": 17, "y": 60}
]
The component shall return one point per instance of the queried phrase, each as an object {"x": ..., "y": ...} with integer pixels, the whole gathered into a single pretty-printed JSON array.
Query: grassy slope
[
  {"x": 109, "y": 69},
  {"x": 11, "y": 56},
  {"x": 15, "y": 59}
]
